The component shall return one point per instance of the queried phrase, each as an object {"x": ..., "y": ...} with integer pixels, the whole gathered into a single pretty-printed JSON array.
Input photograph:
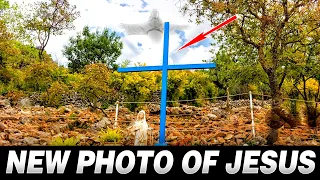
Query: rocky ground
[{"x": 214, "y": 124}]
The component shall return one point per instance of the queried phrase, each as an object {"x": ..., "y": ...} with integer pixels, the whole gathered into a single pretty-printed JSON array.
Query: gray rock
[
  {"x": 175, "y": 111},
  {"x": 25, "y": 120},
  {"x": 104, "y": 122},
  {"x": 42, "y": 134},
  {"x": 4, "y": 103},
  {"x": 259, "y": 140},
  {"x": 212, "y": 117},
  {"x": 30, "y": 141},
  {"x": 204, "y": 119},
  {"x": 154, "y": 108},
  {"x": 11, "y": 111},
  {"x": 25, "y": 102},
  {"x": 12, "y": 131},
  {"x": 187, "y": 111}
]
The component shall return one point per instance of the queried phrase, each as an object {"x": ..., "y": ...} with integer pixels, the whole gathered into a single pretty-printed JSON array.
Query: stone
[
  {"x": 220, "y": 134},
  {"x": 104, "y": 122},
  {"x": 259, "y": 140},
  {"x": 12, "y": 131},
  {"x": 239, "y": 141},
  {"x": 173, "y": 143},
  {"x": 221, "y": 140},
  {"x": 25, "y": 120},
  {"x": 25, "y": 102},
  {"x": 204, "y": 119},
  {"x": 212, "y": 117},
  {"x": 42, "y": 134},
  {"x": 4, "y": 103},
  {"x": 175, "y": 111},
  {"x": 30, "y": 141},
  {"x": 228, "y": 137},
  {"x": 172, "y": 138},
  {"x": 127, "y": 117},
  {"x": 232, "y": 143},
  {"x": 187, "y": 111},
  {"x": 240, "y": 136},
  {"x": 3, "y": 127},
  {"x": 314, "y": 143},
  {"x": 154, "y": 108},
  {"x": 11, "y": 111}
]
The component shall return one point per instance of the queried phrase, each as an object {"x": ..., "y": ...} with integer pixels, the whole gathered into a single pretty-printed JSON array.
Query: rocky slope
[{"x": 213, "y": 124}]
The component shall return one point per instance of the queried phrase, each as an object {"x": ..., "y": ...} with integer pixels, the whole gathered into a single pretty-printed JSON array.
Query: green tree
[
  {"x": 50, "y": 17},
  {"x": 138, "y": 87},
  {"x": 14, "y": 17},
  {"x": 176, "y": 83},
  {"x": 306, "y": 77},
  {"x": 5, "y": 43},
  {"x": 93, "y": 47},
  {"x": 3, "y": 6},
  {"x": 269, "y": 28},
  {"x": 235, "y": 72},
  {"x": 95, "y": 85}
]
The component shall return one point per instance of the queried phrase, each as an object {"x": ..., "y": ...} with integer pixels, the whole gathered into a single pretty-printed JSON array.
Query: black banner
[{"x": 191, "y": 161}]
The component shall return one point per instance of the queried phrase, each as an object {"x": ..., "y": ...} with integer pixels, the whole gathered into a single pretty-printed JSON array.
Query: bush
[
  {"x": 110, "y": 135},
  {"x": 176, "y": 82},
  {"x": 54, "y": 95},
  {"x": 14, "y": 96},
  {"x": 58, "y": 141},
  {"x": 94, "y": 85},
  {"x": 39, "y": 77},
  {"x": 5, "y": 76},
  {"x": 138, "y": 87},
  {"x": 196, "y": 87}
]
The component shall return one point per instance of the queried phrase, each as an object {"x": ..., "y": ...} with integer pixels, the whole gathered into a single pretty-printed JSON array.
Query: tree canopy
[{"x": 93, "y": 47}]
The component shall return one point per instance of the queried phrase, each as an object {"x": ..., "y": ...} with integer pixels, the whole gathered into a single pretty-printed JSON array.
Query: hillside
[{"x": 212, "y": 124}]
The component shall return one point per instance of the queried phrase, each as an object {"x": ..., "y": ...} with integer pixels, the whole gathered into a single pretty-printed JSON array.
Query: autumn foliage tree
[{"x": 269, "y": 28}]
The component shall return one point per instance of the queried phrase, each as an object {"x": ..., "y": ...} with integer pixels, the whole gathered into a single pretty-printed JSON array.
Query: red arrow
[{"x": 202, "y": 35}]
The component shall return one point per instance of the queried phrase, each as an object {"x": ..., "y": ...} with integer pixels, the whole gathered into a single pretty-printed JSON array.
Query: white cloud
[{"x": 101, "y": 13}]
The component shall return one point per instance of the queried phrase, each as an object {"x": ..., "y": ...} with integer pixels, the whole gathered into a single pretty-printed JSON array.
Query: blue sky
[{"x": 110, "y": 13}]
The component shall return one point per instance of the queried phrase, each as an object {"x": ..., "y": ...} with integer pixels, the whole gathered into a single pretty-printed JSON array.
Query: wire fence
[
  {"x": 184, "y": 121},
  {"x": 192, "y": 122}
]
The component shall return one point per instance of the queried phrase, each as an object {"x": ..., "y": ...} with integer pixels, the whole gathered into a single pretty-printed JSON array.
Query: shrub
[
  {"x": 39, "y": 77},
  {"x": 58, "y": 141},
  {"x": 94, "y": 86},
  {"x": 54, "y": 95},
  {"x": 5, "y": 76},
  {"x": 110, "y": 135}
]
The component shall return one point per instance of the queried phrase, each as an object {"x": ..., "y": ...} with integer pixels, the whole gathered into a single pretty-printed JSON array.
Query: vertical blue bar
[{"x": 163, "y": 105}]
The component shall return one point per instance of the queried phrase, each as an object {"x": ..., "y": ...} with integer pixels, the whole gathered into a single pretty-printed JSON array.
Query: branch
[
  {"x": 298, "y": 89},
  {"x": 280, "y": 28},
  {"x": 283, "y": 76},
  {"x": 244, "y": 37}
]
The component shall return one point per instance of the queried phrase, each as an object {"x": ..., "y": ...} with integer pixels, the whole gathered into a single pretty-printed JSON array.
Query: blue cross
[{"x": 164, "y": 68}]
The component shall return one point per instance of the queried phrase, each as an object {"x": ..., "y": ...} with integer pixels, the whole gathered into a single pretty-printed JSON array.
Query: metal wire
[
  {"x": 299, "y": 100},
  {"x": 219, "y": 97}
]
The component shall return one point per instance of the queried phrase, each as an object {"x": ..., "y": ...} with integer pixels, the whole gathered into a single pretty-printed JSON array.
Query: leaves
[
  {"x": 50, "y": 18},
  {"x": 93, "y": 47}
]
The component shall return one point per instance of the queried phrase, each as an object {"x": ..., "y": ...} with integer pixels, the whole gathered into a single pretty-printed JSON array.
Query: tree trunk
[
  {"x": 278, "y": 116},
  {"x": 311, "y": 114}
]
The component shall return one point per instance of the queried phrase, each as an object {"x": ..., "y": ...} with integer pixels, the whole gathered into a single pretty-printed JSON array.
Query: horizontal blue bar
[
  {"x": 192, "y": 66},
  {"x": 139, "y": 69},
  {"x": 170, "y": 67}
]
